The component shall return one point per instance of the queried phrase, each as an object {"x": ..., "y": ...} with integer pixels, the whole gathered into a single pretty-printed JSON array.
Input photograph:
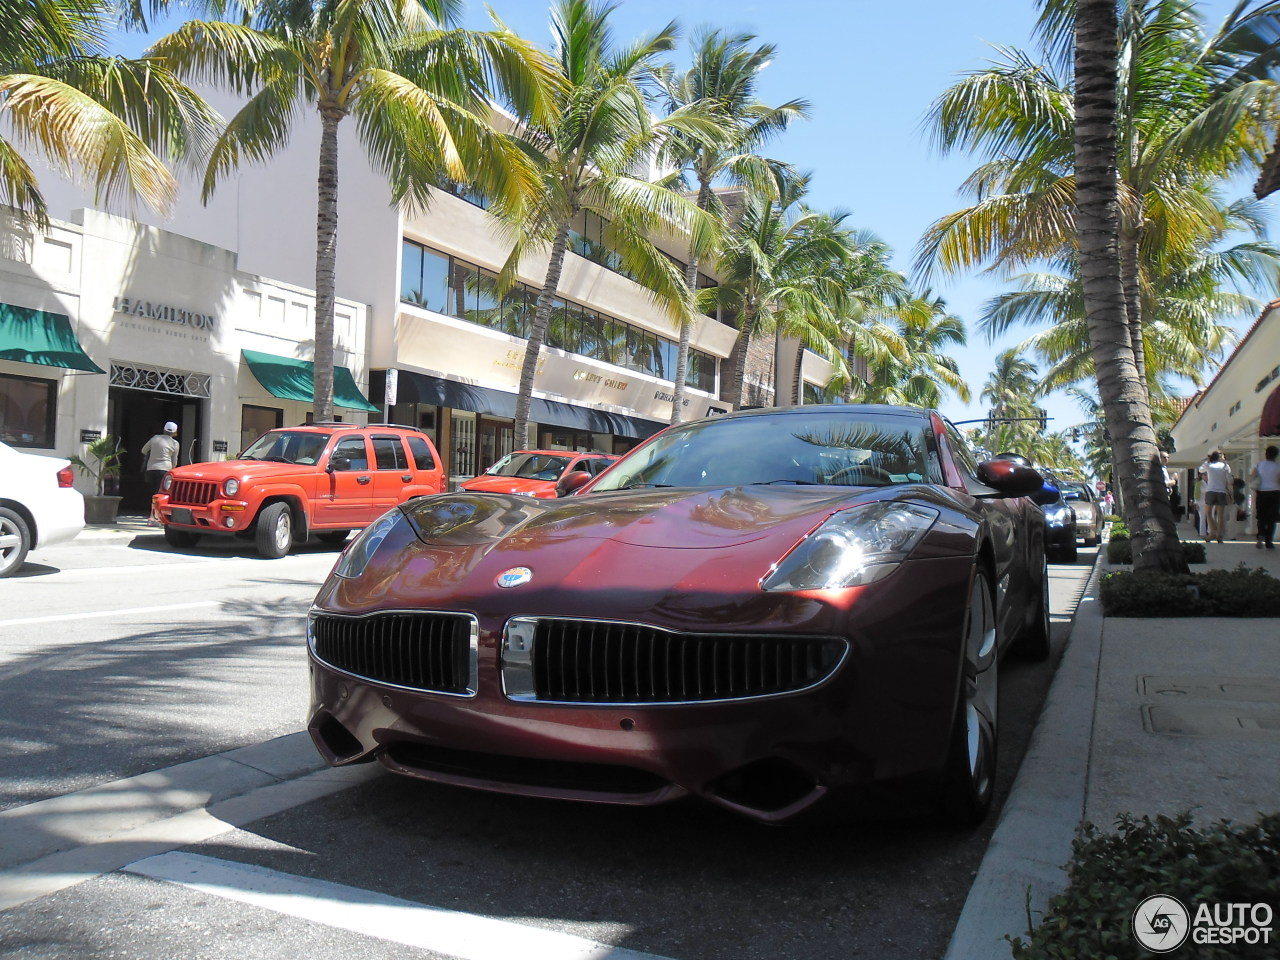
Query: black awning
[{"x": 421, "y": 388}]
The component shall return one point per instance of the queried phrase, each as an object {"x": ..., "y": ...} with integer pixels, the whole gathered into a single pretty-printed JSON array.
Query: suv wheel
[
  {"x": 275, "y": 531},
  {"x": 15, "y": 541}
]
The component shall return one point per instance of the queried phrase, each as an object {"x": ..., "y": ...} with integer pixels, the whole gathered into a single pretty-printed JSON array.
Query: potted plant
[{"x": 102, "y": 459}]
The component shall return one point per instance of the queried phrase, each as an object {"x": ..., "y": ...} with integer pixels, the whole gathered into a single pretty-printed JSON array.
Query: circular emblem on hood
[{"x": 514, "y": 577}]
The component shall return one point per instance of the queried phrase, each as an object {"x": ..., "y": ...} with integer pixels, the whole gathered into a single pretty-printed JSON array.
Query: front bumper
[
  {"x": 883, "y": 718},
  {"x": 221, "y": 515}
]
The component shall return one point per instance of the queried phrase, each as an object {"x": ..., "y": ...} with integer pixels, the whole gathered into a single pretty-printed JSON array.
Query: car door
[
  {"x": 392, "y": 472},
  {"x": 348, "y": 498}
]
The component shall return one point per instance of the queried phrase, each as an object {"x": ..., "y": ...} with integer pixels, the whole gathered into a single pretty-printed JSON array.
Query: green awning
[
  {"x": 36, "y": 336},
  {"x": 291, "y": 379}
]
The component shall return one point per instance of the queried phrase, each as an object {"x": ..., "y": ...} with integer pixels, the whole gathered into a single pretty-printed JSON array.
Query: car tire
[
  {"x": 333, "y": 536},
  {"x": 180, "y": 538},
  {"x": 15, "y": 541},
  {"x": 969, "y": 779},
  {"x": 1034, "y": 643},
  {"x": 1092, "y": 541},
  {"x": 275, "y": 531},
  {"x": 1068, "y": 552}
]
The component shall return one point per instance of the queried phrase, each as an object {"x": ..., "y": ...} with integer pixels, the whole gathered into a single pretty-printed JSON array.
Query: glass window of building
[
  {"x": 27, "y": 408},
  {"x": 255, "y": 421}
]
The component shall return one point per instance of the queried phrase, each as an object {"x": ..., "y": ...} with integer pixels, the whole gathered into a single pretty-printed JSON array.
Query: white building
[
  {"x": 437, "y": 350},
  {"x": 1239, "y": 411}
]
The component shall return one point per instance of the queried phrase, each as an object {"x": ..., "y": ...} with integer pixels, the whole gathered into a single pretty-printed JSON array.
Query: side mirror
[
  {"x": 1012, "y": 479},
  {"x": 571, "y": 482},
  {"x": 338, "y": 463}
]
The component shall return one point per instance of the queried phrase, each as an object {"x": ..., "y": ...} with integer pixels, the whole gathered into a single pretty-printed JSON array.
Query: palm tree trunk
[
  {"x": 541, "y": 317},
  {"x": 326, "y": 261},
  {"x": 1130, "y": 244},
  {"x": 1123, "y": 394},
  {"x": 686, "y": 328},
  {"x": 746, "y": 320}
]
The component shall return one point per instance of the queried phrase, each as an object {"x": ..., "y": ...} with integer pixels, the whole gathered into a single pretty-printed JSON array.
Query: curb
[{"x": 1024, "y": 865}]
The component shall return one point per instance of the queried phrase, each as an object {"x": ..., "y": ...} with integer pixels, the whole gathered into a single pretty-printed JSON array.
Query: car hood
[
  {"x": 630, "y": 550},
  {"x": 684, "y": 518},
  {"x": 242, "y": 470},
  {"x": 493, "y": 484}
]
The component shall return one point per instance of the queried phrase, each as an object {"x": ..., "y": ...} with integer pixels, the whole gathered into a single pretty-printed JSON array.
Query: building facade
[
  {"x": 109, "y": 327},
  {"x": 1238, "y": 413}
]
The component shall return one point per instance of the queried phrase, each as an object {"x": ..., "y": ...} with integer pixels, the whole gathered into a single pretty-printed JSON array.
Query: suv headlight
[
  {"x": 1058, "y": 514},
  {"x": 167, "y": 482},
  {"x": 360, "y": 551},
  {"x": 855, "y": 546},
  {"x": 231, "y": 486}
]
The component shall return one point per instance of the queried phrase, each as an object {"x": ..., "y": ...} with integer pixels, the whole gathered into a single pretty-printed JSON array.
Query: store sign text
[
  {"x": 587, "y": 376},
  {"x": 164, "y": 311}
]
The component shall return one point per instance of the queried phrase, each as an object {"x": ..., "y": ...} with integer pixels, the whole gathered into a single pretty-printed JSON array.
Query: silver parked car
[{"x": 1087, "y": 509}]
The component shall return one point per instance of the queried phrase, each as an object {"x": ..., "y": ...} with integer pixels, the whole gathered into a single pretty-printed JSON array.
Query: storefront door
[{"x": 134, "y": 416}]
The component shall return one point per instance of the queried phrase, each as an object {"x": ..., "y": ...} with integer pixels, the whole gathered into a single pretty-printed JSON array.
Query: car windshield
[
  {"x": 530, "y": 466},
  {"x": 831, "y": 448},
  {"x": 287, "y": 446},
  {"x": 1075, "y": 491}
]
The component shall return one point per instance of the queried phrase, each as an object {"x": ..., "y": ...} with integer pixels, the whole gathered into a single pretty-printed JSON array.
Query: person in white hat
[{"x": 161, "y": 454}]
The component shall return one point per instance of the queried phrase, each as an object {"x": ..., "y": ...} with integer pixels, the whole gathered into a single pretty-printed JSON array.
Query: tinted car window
[
  {"x": 422, "y": 458},
  {"x": 388, "y": 453},
  {"x": 530, "y": 466},
  {"x": 820, "y": 448},
  {"x": 349, "y": 454},
  {"x": 287, "y": 446}
]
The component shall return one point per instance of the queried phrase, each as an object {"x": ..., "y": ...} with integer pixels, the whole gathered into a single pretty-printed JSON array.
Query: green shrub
[
  {"x": 1119, "y": 531},
  {"x": 1121, "y": 551},
  {"x": 1215, "y": 593},
  {"x": 1110, "y": 874}
]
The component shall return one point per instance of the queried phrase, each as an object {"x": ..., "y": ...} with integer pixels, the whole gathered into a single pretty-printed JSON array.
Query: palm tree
[
  {"x": 722, "y": 79},
  {"x": 907, "y": 354},
  {"x": 781, "y": 268},
  {"x": 1120, "y": 383},
  {"x": 596, "y": 133},
  {"x": 112, "y": 123},
  {"x": 418, "y": 90}
]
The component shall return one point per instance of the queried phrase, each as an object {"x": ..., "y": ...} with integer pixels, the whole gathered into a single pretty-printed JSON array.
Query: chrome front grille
[
  {"x": 593, "y": 661},
  {"x": 193, "y": 492},
  {"x": 434, "y": 652}
]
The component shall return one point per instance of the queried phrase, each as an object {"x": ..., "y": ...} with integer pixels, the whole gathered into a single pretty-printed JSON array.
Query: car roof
[
  {"x": 561, "y": 453},
  {"x": 814, "y": 409},
  {"x": 329, "y": 426}
]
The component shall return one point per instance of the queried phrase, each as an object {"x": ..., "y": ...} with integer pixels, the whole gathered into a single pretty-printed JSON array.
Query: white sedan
[{"x": 38, "y": 505}]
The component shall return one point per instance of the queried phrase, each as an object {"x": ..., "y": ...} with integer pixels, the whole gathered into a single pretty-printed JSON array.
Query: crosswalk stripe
[{"x": 450, "y": 932}]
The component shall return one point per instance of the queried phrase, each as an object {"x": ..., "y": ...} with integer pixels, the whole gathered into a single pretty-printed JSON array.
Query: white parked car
[{"x": 38, "y": 505}]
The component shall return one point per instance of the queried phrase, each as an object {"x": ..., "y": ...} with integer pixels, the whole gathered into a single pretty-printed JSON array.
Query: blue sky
[{"x": 870, "y": 70}]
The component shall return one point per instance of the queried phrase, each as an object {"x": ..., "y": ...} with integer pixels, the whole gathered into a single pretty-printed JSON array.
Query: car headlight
[
  {"x": 167, "y": 482},
  {"x": 1057, "y": 515},
  {"x": 231, "y": 487},
  {"x": 360, "y": 551},
  {"x": 855, "y": 546}
]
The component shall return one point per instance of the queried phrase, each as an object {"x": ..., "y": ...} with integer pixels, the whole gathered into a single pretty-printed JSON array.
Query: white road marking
[
  {"x": 450, "y": 932},
  {"x": 98, "y": 614}
]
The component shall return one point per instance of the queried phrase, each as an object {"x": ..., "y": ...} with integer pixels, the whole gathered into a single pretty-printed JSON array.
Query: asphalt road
[{"x": 119, "y": 660}]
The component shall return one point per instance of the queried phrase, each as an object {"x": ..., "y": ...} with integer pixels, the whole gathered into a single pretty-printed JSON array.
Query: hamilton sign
[{"x": 164, "y": 311}]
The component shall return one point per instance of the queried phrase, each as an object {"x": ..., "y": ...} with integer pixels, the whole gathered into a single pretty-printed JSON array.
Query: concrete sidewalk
[{"x": 1145, "y": 716}]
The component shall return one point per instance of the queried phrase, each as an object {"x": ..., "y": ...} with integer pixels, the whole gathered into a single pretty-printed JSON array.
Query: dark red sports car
[{"x": 769, "y": 610}]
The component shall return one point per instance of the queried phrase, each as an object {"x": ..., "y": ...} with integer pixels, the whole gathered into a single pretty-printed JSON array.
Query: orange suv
[{"x": 323, "y": 478}]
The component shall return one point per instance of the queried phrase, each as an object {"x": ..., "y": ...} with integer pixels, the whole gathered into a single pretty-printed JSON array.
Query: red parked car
[
  {"x": 536, "y": 473},
  {"x": 771, "y": 610},
  {"x": 323, "y": 478}
]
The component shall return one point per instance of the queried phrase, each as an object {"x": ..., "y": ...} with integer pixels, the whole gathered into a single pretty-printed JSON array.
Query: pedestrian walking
[
  {"x": 1215, "y": 475},
  {"x": 160, "y": 455},
  {"x": 1264, "y": 478}
]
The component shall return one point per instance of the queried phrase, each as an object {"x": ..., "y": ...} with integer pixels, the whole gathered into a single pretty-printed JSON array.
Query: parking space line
[
  {"x": 97, "y": 614},
  {"x": 412, "y": 924}
]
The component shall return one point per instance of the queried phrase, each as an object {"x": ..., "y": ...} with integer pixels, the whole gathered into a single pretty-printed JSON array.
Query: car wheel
[
  {"x": 180, "y": 538},
  {"x": 969, "y": 780},
  {"x": 1034, "y": 642},
  {"x": 1092, "y": 541},
  {"x": 334, "y": 536},
  {"x": 1069, "y": 552},
  {"x": 15, "y": 541},
  {"x": 275, "y": 531}
]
